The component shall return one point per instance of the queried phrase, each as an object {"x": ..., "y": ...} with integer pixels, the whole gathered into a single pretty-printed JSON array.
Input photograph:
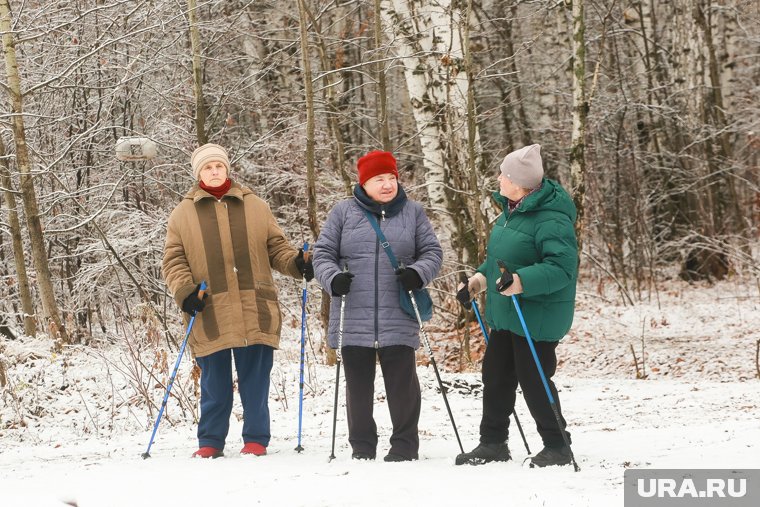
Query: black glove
[
  {"x": 304, "y": 266},
  {"x": 192, "y": 304},
  {"x": 341, "y": 284},
  {"x": 409, "y": 279},
  {"x": 463, "y": 296},
  {"x": 506, "y": 277}
]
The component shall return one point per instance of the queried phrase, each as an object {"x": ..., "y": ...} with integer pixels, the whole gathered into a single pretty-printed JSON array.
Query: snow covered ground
[{"x": 698, "y": 407}]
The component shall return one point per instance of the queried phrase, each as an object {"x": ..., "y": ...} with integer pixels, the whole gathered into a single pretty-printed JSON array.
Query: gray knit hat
[
  {"x": 209, "y": 152},
  {"x": 523, "y": 167}
]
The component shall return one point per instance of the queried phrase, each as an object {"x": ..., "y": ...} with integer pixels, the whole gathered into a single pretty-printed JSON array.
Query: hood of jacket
[{"x": 550, "y": 197}]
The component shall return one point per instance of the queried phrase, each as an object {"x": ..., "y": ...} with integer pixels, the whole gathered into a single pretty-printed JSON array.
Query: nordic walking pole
[
  {"x": 485, "y": 335},
  {"x": 303, "y": 346},
  {"x": 463, "y": 279},
  {"x": 146, "y": 454},
  {"x": 338, "y": 358},
  {"x": 503, "y": 284},
  {"x": 435, "y": 367}
]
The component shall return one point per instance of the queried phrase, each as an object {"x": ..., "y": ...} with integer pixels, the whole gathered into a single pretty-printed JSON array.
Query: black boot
[
  {"x": 393, "y": 457},
  {"x": 485, "y": 453},
  {"x": 551, "y": 456},
  {"x": 364, "y": 456}
]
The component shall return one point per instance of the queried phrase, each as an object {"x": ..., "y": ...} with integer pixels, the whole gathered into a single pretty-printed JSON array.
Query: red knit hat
[{"x": 374, "y": 163}]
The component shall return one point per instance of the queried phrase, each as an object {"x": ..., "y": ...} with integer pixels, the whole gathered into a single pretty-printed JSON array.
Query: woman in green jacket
[{"x": 535, "y": 238}]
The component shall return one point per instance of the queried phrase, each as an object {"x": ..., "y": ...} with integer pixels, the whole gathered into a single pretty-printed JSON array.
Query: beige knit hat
[
  {"x": 523, "y": 167},
  {"x": 208, "y": 153}
]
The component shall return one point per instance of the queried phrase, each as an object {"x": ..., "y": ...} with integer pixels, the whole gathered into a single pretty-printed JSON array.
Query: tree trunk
[
  {"x": 338, "y": 154},
  {"x": 480, "y": 197},
  {"x": 39, "y": 255},
  {"x": 311, "y": 189},
  {"x": 195, "y": 43},
  {"x": 382, "y": 97},
  {"x": 580, "y": 112},
  {"x": 25, "y": 293},
  {"x": 430, "y": 46},
  {"x": 717, "y": 113}
]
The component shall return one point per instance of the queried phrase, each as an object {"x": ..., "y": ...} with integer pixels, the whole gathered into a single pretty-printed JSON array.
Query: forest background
[{"x": 647, "y": 113}]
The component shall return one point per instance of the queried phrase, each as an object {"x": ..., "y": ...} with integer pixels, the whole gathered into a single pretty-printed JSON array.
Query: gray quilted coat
[{"x": 373, "y": 316}]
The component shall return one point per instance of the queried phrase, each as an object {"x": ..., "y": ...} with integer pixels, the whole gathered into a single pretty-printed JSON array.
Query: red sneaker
[
  {"x": 254, "y": 448},
  {"x": 207, "y": 452}
]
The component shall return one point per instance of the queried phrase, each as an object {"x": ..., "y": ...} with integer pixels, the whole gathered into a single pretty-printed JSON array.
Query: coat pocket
[{"x": 267, "y": 308}]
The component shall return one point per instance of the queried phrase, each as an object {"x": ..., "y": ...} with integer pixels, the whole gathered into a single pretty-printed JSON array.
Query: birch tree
[
  {"x": 426, "y": 36},
  {"x": 580, "y": 112},
  {"x": 19, "y": 258},
  {"x": 23, "y": 162}
]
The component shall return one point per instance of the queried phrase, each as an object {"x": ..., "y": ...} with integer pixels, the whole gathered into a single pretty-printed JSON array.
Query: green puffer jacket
[{"x": 536, "y": 241}]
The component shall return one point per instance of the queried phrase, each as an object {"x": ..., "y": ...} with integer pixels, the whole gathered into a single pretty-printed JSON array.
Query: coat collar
[
  {"x": 391, "y": 208},
  {"x": 236, "y": 191}
]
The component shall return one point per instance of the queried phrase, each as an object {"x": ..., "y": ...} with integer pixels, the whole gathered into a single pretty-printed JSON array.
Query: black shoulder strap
[{"x": 383, "y": 242}]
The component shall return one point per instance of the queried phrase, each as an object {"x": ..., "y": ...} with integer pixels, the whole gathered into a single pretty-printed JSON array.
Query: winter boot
[
  {"x": 254, "y": 448},
  {"x": 363, "y": 456},
  {"x": 485, "y": 453},
  {"x": 208, "y": 452},
  {"x": 393, "y": 457},
  {"x": 550, "y": 456}
]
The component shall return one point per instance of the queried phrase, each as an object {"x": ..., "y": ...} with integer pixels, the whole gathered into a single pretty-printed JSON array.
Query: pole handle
[
  {"x": 506, "y": 277},
  {"x": 202, "y": 290},
  {"x": 306, "y": 252}
]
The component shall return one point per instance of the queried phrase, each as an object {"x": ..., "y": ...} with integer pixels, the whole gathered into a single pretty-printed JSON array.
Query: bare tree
[
  {"x": 311, "y": 192},
  {"x": 31, "y": 209},
  {"x": 200, "y": 105},
  {"x": 580, "y": 112},
  {"x": 24, "y": 291},
  {"x": 428, "y": 42},
  {"x": 382, "y": 89}
]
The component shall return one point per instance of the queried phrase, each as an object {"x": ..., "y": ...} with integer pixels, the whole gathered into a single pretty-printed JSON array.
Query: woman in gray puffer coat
[{"x": 375, "y": 325}]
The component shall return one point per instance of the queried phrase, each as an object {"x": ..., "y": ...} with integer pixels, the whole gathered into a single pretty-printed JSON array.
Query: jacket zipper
[
  {"x": 377, "y": 256},
  {"x": 377, "y": 291},
  {"x": 509, "y": 215}
]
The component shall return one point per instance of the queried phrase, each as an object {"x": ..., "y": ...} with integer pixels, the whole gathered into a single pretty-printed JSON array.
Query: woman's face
[
  {"x": 509, "y": 189},
  {"x": 214, "y": 173},
  {"x": 381, "y": 188}
]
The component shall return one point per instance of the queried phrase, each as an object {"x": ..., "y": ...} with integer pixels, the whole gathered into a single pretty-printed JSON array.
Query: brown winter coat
[{"x": 233, "y": 244}]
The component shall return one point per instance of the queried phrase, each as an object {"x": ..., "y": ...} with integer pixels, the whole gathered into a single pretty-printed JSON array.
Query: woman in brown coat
[{"x": 224, "y": 234}]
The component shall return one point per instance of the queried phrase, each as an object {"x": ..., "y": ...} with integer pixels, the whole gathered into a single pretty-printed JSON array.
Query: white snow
[{"x": 698, "y": 407}]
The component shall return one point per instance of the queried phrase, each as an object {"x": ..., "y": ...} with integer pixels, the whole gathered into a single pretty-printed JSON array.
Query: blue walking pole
[
  {"x": 475, "y": 308},
  {"x": 146, "y": 454},
  {"x": 303, "y": 346},
  {"x": 506, "y": 281}
]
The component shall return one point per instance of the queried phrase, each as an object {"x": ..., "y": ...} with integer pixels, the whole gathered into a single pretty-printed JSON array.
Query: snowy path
[{"x": 615, "y": 424}]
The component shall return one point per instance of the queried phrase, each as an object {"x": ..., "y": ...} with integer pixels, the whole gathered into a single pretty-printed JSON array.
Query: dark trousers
[
  {"x": 253, "y": 365},
  {"x": 402, "y": 387},
  {"x": 507, "y": 362}
]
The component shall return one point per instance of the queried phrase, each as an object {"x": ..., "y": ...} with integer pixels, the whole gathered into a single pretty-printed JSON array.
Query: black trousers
[
  {"x": 507, "y": 362},
  {"x": 402, "y": 387}
]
